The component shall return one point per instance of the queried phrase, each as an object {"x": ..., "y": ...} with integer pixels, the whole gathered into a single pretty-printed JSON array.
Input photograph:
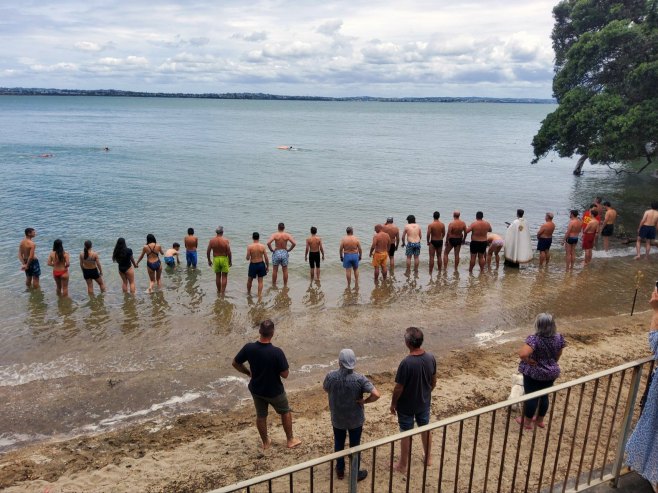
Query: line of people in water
[{"x": 441, "y": 240}]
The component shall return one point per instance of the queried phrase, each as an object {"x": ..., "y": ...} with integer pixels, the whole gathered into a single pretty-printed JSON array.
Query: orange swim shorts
[{"x": 379, "y": 259}]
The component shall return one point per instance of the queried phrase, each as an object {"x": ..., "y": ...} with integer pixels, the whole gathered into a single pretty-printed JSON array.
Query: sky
[{"x": 403, "y": 48}]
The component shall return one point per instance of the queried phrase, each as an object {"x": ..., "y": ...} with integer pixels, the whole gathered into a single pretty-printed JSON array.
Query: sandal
[{"x": 519, "y": 420}]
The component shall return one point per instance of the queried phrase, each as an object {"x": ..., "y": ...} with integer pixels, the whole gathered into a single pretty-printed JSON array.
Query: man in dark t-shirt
[
  {"x": 412, "y": 395},
  {"x": 267, "y": 365}
]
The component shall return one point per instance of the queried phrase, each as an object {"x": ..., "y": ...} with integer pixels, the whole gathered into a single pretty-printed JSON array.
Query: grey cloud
[
  {"x": 330, "y": 28},
  {"x": 253, "y": 37}
]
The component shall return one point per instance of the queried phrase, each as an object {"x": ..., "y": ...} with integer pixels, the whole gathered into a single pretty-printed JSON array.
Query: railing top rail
[{"x": 437, "y": 424}]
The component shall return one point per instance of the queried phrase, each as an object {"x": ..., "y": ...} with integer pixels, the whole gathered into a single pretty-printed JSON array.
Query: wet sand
[{"x": 201, "y": 451}]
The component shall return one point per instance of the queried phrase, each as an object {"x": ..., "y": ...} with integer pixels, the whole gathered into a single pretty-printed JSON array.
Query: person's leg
[
  {"x": 446, "y": 253},
  {"x": 548, "y": 256},
  {"x": 260, "y": 287},
  {"x": 261, "y": 424},
  {"x": 426, "y": 438},
  {"x": 286, "y": 421},
  {"x": 224, "y": 283},
  {"x": 439, "y": 252},
  {"x": 124, "y": 282},
  {"x": 65, "y": 285},
  {"x": 481, "y": 261},
  {"x": 348, "y": 276},
  {"x": 317, "y": 272},
  {"x": 285, "y": 275},
  {"x": 356, "y": 276},
  {"x": 275, "y": 273},
  {"x": 638, "y": 245},
  {"x": 408, "y": 263},
  {"x": 249, "y": 282},
  {"x": 158, "y": 276},
  {"x": 130, "y": 276},
  {"x": 416, "y": 262},
  {"x": 606, "y": 243},
  {"x": 542, "y": 257},
  {"x": 58, "y": 285},
  {"x": 218, "y": 281},
  {"x": 489, "y": 256},
  {"x": 432, "y": 254},
  {"x": 384, "y": 272},
  {"x": 406, "y": 423},
  {"x": 472, "y": 262},
  {"x": 497, "y": 253},
  {"x": 647, "y": 244},
  {"x": 339, "y": 444},
  {"x": 90, "y": 286},
  {"x": 151, "y": 274},
  {"x": 355, "y": 439},
  {"x": 530, "y": 385},
  {"x": 457, "y": 249},
  {"x": 588, "y": 256},
  {"x": 101, "y": 284},
  {"x": 376, "y": 273}
]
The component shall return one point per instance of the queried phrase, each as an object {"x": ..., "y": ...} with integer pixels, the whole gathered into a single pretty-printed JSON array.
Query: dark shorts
[
  {"x": 478, "y": 247},
  {"x": 608, "y": 230},
  {"x": 257, "y": 270},
  {"x": 314, "y": 259},
  {"x": 647, "y": 233},
  {"x": 279, "y": 403},
  {"x": 91, "y": 273},
  {"x": 438, "y": 244},
  {"x": 391, "y": 250},
  {"x": 455, "y": 241},
  {"x": 406, "y": 421},
  {"x": 572, "y": 240},
  {"x": 33, "y": 269},
  {"x": 544, "y": 244}
]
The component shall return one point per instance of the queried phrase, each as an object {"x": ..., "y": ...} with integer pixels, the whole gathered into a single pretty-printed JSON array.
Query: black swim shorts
[
  {"x": 455, "y": 241},
  {"x": 608, "y": 230},
  {"x": 392, "y": 249},
  {"x": 438, "y": 244},
  {"x": 314, "y": 259},
  {"x": 478, "y": 246}
]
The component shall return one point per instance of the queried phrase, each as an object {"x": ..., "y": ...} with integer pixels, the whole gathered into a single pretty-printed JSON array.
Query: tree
[{"x": 605, "y": 83}]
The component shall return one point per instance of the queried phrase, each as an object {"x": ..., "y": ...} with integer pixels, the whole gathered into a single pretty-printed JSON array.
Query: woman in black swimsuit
[
  {"x": 91, "y": 268},
  {"x": 152, "y": 250},
  {"x": 123, "y": 256}
]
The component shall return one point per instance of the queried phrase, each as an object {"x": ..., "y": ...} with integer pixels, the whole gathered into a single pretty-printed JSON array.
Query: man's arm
[
  {"x": 340, "y": 250},
  {"x": 429, "y": 235},
  {"x": 321, "y": 249},
  {"x": 308, "y": 247},
  {"x": 541, "y": 231},
  {"x": 372, "y": 247},
  {"x": 208, "y": 253},
  {"x": 293, "y": 243},
  {"x": 248, "y": 254},
  {"x": 397, "y": 392},
  {"x": 358, "y": 246},
  {"x": 266, "y": 258},
  {"x": 284, "y": 373},
  {"x": 141, "y": 256},
  {"x": 241, "y": 368},
  {"x": 374, "y": 395},
  {"x": 404, "y": 235},
  {"x": 229, "y": 254},
  {"x": 269, "y": 243},
  {"x": 434, "y": 381}
]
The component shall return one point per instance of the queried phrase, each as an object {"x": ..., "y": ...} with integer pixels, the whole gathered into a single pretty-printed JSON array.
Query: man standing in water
[
  {"x": 379, "y": 251},
  {"x": 478, "y": 230},
  {"x": 456, "y": 237},
  {"x": 608, "y": 228},
  {"x": 545, "y": 239},
  {"x": 267, "y": 365},
  {"x": 350, "y": 255},
  {"x": 191, "y": 243},
  {"x": 258, "y": 263},
  {"x": 412, "y": 394},
  {"x": 28, "y": 258},
  {"x": 571, "y": 238},
  {"x": 589, "y": 235},
  {"x": 222, "y": 259},
  {"x": 435, "y": 233},
  {"x": 313, "y": 252},
  {"x": 394, "y": 233},
  {"x": 280, "y": 254},
  {"x": 647, "y": 229},
  {"x": 412, "y": 234}
]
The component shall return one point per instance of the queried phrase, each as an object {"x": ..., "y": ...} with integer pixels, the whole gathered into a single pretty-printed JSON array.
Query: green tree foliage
[{"x": 606, "y": 82}]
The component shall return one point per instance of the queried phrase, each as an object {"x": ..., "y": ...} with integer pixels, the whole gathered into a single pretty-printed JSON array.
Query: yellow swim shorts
[
  {"x": 379, "y": 259},
  {"x": 220, "y": 264}
]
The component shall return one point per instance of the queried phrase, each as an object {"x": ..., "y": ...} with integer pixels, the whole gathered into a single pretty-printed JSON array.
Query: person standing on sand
[
  {"x": 59, "y": 260},
  {"x": 412, "y": 234},
  {"x": 258, "y": 263},
  {"x": 313, "y": 252},
  {"x": 456, "y": 236},
  {"x": 191, "y": 243},
  {"x": 381, "y": 242},
  {"x": 152, "y": 250},
  {"x": 436, "y": 230},
  {"x": 28, "y": 259},
  {"x": 394, "y": 233},
  {"x": 589, "y": 235},
  {"x": 608, "y": 228},
  {"x": 91, "y": 267},
  {"x": 478, "y": 229},
  {"x": 350, "y": 255},
  {"x": 571, "y": 238},
  {"x": 412, "y": 395},
  {"x": 267, "y": 365},
  {"x": 647, "y": 229},
  {"x": 222, "y": 259},
  {"x": 280, "y": 254},
  {"x": 545, "y": 239},
  {"x": 346, "y": 388}
]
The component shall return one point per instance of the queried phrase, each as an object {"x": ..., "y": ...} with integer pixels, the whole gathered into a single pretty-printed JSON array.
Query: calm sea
[{"x": 84, "y": 364}]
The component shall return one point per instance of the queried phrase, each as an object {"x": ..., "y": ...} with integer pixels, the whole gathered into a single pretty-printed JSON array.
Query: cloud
[
  {"x": 330, "y": 28},
  {"x": 88, "y": 46},
  {"x": 253, "y": 37}
]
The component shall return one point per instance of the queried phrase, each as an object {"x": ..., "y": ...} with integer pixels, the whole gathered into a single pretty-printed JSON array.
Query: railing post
[
  {"x": 354, "y": 471},
  {"x": 627, "y": 421}
]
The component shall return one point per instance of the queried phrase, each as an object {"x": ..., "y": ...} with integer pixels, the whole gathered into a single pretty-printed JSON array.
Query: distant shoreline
[{"x": 23, "y": 91}]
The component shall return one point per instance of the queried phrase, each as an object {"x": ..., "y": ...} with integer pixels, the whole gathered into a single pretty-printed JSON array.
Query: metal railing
[{"x": 485, "y": 450}]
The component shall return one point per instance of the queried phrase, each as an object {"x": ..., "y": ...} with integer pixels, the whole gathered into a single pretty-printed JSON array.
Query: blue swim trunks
[
  {"x": 351, "y": 261},
  {"x": 647, "y": 233},
  {"x": 191, "y": 258},
  {"x": 412, "y": 249},
  {"x": 170, "y": 261},
  {"x": 280, "y": 257},
  {"x": 257, "y": 269},
  {"x": 544, "y": 244},
  {"x": 33, "y": 269}
]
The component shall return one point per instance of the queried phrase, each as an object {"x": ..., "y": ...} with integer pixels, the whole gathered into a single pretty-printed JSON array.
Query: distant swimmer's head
[
  {"x": 479, "y": 215},
  {"x": 573, "y": 213},
  {"x": 106, "y": 149},
  {"x": 150, "y": 238},
  {"x": 411, "y": 219},
  {"x": 255, "y": 235},
  {"x": 456, "y": 214},
  {"x": 519, "y": 213},
  {"x": 266, "y": 329},
  {"x": 176, "y": 245},
  {"x": 281, "y": 226},
  {"x": 219, "y": 230},
  {"x": 436, "y": 215},
  {"x": 378, "y": 228},
  {"x": 190, "y": 231},
  {"x": 389, "y": 220},
  {"x": 314, "y": 230},
  {"x": 549, "y": 216},
  {"x": 349, "y": 230}
]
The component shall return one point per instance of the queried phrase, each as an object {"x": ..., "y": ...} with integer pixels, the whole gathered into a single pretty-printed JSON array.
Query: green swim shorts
[{"x": 220, "y": 264}]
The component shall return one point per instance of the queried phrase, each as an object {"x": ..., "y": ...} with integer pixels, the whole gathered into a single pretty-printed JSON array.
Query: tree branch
[{"x": 620, "y": 171}]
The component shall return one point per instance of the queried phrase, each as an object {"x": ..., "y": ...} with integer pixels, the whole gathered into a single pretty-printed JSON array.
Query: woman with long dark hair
[
  {"x": 59, "y": 261},
  {"x": 123, "y": 256},
  {"x": 91, "y": 268},
  {"x": 152, "y": 250}
]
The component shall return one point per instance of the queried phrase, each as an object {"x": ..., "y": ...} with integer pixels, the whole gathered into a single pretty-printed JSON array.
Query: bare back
[
  {"x": 350, "y": 244},
  {"x": 479, "y": 230},
  {"x": 393, "y": 232},
  {"x": 436, "y": 230},
  {"x": 456, "y": 229},
  {"x": 592, "y": 226},
  {"x": 220, "y": 246},
  {"x": 191, "y": 243},
  {"x": 573, "y": 230},
  {"x": 610, "y": 216},
  {"x": 256, "y": 253},
  {"x": 381, "y": 241},
  {"x": 412, "y": 232},
  {"x": 25, "y": 249},
  {"x": 280, "y": 240},
  {"x": 546, "y": 230},
  {"x": 314, "y": 243},
  {"x": 650, "y": 218}
]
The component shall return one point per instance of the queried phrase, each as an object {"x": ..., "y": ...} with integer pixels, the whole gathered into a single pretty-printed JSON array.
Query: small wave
[
  {"x": 224, "y": 381},
  {"x": 20, "y": 374},
  {"x": 617, "y": 252},
  {"x": 483, "y": 338},
  {"x": 8, "y": 440}
]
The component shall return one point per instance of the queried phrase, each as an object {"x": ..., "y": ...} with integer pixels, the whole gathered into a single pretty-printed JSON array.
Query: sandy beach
[{"x": 202, "y": 451}]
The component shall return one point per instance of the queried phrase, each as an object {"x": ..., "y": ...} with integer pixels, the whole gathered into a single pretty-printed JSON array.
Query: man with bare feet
[
  {"x": 394, "y": 233},
  {"x": 381, "y": 242},
  {"x": 478, "y": 229},
  {"x": 412, "y": 395},
  {"x": 647, "y": 230},
  {"x": 191, "y": 243},
  {"x": 436, "y": 230},
  {"x": 28, "y": 259},
  {"x": 545, "y": 239},
  {"x": 267, "y": 365},
  {"x": 258, "y": 263},
  {"x": 456, "y": 236},
  {"x": 313, "y": 252},
  {"x": 350, "y": 255},
  {"x": 608, "y": 228},
  {"x": 589, "y": 235},
  {"x": 222, "y": 259},
  {"x": 571, "y": 238},
  {"x": 281, "y": 252},
  {"x": 412, "y": 234}
]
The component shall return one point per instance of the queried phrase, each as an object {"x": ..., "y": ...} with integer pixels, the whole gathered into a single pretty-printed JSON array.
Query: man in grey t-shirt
[{"x": 346, "y": 388}]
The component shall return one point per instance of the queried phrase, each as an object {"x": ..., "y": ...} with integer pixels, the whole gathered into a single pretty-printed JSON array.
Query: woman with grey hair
[{"x": 539, "y": 366}]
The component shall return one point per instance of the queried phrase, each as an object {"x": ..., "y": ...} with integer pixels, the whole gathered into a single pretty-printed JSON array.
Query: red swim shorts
[{"x": 588, "y": 241}]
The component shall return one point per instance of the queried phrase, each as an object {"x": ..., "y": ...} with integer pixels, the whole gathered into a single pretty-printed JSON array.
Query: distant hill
[{"x": 33, "y": 91}]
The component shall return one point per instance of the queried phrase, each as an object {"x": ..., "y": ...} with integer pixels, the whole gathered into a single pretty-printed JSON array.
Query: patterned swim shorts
[
  {"x": 280, "y": 257},
  {"x": 412, "y": 249}
]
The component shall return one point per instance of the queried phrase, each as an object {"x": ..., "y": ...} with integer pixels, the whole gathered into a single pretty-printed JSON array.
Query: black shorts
[
  {"x": 91, "y": 273},
  {"x": 608, "y": 230},
  {"x": 391, "y": 250},
  {"x": 438, "y": 244},
  {"x": 314, "y": 259},
  {"x": 478, "y": 247},
  {"x": 455, "y": 241},
  {"x": 544, "y": 244},
  {"x": 257, "y": 269}
]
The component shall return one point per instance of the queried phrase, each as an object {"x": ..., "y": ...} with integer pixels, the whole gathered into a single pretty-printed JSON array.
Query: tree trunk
[{"x": 578, "y": 170}]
